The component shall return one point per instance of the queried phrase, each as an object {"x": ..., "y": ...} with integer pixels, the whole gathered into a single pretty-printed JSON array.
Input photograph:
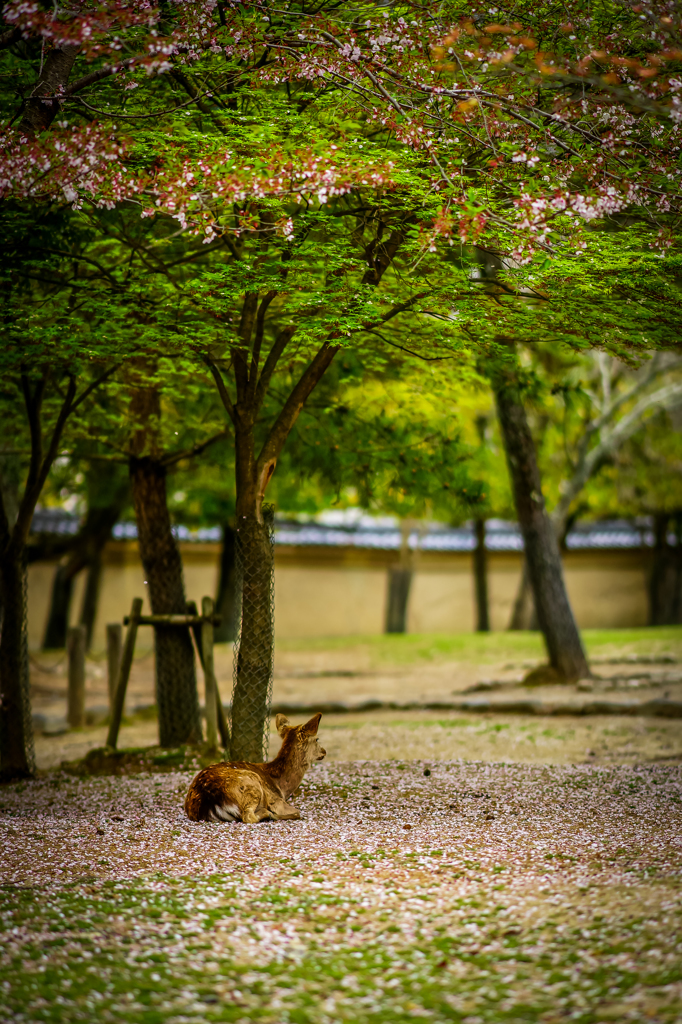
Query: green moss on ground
[
  {"x": 136, "y": 953},
  {"x": 492, "y": 647},
  {"x": 453, "y": 891}
]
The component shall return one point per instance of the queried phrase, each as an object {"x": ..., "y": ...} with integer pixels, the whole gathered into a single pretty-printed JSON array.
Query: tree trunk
[
  {"x": 91, "y": 596},
  {"x": 657, "y": 579},
  {"x": 16, "y": 728},
  {"x": 481, "y": 579},
  {"x": 107, "y": 495},
  {"x": 225, "y": 600},
  {"x": 665, "y": 582},
  {"x": 399, "y": 583},
  {"x": 42, "y": 106},
  {"x": 555, "y": 617},
  {"x": 255, "y": 654},
  {"x": 677, "y": 562},
  {"x": 176, "y": 687},
  {"x": 523, "y": 613},
  {"x": 58, "y": 616}
]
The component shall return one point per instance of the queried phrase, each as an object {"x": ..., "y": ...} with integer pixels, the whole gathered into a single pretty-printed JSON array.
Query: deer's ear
[
  {"x": 313, "y": 725},
  {"x": 282, "y": 725}
]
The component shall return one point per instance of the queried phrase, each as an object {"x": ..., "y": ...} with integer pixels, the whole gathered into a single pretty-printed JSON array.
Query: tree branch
[
  {"x": 188, "y": 85},
  {"x": 40, "y": 467},
  {"x": 257, "y": 344},
  {"x": 33, "y": 403},
  {"x": 95, "y": 384},
  {"x": 400, "y": 308},
  {"x": 668, "y": 397},
  {"x": 12, "y": 35},
  {"x": 273, "y": 357},
  {"x": 292, "y": 407},
  {"x": 222, "y": 389},
  {"x": 197, "y": 449},
  {"x": 97, "y": 76}
]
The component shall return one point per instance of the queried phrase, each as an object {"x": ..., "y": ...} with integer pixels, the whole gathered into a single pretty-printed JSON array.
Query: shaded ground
[
  {"x": 476, "y": 893},
  {"x": 422, "y": 735},
  {"x": 402, "y": 668}
]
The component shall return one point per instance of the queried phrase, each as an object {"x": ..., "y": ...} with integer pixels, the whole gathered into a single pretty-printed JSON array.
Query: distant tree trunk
[
  {"x": 665, "y": 582},
  {"x": 16, "y": 729},
  {"x": 58, "y": 615},
  {"x": 225, "y": 598},
  {"x": 523, "y": 612},
  {"x": 399, "y": 583},
  {"x": 555, "y": 616},
  {"x": 176, "y": 688},
  {"x": 86, "y": 553},
  {"x": 677, "y": 592},
  {"x": 91, "y": 596},
  {"x": 481, "y": 579}
]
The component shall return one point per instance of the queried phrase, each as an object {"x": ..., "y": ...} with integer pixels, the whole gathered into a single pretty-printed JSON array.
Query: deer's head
[{"x": 300, "y": 744}]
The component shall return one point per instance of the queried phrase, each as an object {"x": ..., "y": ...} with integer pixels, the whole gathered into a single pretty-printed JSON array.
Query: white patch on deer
[{"x": 228, "y": 812}]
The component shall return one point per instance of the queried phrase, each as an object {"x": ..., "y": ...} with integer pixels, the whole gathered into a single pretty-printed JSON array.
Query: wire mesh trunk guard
[{"x": 254, "y": 637}]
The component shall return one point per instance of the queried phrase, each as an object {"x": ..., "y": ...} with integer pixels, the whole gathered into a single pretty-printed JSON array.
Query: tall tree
[
  {"x": 154, "y": 421},
  {"x": 555, "y": 617},
  {"x": 46, "y": 381},
  {"x": 601, "y": 403}
]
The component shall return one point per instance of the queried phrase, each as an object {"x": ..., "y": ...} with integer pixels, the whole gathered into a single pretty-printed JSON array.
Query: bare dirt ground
[
  {"x": 421, "y": 735},
  {"x": 419, "y": 669}
]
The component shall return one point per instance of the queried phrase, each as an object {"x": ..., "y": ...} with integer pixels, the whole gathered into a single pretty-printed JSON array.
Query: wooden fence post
[
  {"x": 209, "y": 673},
  {"x": 75, "y": 646},
  {"x": 222, "y": 720},
  {"x": 123, "y": 672},
  {"x": 114, "y": 649},
  {"x": 223, "y": 727}
]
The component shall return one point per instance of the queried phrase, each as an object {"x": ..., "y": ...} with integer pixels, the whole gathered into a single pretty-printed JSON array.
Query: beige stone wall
[{"x": 342, "y": 591}]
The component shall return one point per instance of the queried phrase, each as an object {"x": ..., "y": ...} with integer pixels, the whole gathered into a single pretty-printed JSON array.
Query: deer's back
[{"x": 225, "y": 786}]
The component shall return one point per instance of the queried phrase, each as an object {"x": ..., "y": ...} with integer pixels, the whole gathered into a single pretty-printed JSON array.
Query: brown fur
[{"x": 239, "y": 791}]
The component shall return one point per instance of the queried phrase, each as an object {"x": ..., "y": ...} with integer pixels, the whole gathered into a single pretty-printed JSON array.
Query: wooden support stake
[
  {"x": 124, "y": 672},
  {"x": 114, "y": 650},
  {"x": 75, "y": 646},
  {"x": 223, "y": 727},
  {"x": 222, "y": 720},
  {"x": 209, "y": 673}
]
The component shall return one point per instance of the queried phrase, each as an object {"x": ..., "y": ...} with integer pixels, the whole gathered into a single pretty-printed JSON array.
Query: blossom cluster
[{"x": 463, "y": 97}]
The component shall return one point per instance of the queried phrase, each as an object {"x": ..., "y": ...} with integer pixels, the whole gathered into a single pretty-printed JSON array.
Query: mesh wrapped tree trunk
[
  {"x": 176, "y": 686},
  {"x": 254, "y": 645},
  {"x": 17, "y": 758}
]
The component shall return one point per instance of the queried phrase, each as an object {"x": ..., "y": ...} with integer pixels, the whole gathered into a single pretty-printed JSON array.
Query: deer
[{"x": 240, "y": 791}]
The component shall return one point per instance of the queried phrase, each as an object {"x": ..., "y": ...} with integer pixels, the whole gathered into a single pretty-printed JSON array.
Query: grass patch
[{"x": 491, "y": 647}]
